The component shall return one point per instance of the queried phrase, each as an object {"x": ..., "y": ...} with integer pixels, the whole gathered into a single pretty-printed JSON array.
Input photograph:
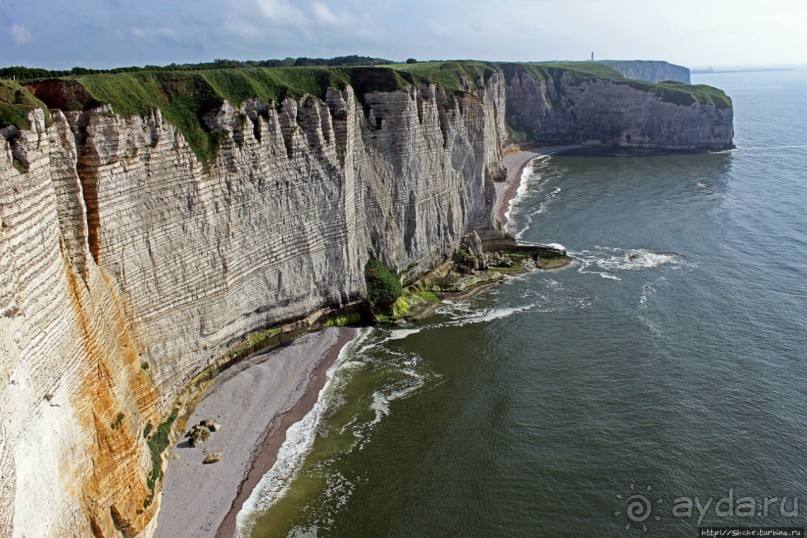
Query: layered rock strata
[
  {"x": 609, "y": 113},
  {"x": 127, "y": 265}
]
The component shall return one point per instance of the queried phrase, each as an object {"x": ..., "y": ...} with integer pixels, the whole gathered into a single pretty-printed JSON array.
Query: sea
[{"x": 655, "y": 387}]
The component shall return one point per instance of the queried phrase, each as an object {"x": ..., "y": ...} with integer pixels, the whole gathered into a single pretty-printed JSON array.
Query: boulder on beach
[
  {"x": 210, "y": 425},
  {"x": 212, "y": 458},
  {"x": 198, "y": 435}
]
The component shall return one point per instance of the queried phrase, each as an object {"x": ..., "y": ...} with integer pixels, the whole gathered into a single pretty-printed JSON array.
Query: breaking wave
[
  {"x": 530, "y": 181},
  {"x": 299, "y": 439}
]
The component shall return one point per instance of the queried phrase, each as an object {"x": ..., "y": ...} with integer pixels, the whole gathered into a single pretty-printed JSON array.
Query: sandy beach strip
[
  {"x": 255, "y": 402},
  {"x": 515, "y": 163}
]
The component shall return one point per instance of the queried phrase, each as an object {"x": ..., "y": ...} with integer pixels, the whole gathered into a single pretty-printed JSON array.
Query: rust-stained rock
[{"x": 119, "y": 248}]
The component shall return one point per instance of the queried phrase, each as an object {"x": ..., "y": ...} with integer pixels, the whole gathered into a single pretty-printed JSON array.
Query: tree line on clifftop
[{"x": 31, "y": 73}]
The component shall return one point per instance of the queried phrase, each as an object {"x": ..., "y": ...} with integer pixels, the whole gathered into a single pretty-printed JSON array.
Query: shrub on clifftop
[{"x": 383, "y": 286}]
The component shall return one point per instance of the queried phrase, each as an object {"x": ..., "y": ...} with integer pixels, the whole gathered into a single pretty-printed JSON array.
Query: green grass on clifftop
[
  {"x": 448, "y": 74},
  {"x": 679, "y": 93},
  {"x": 16, "y": 103},
  {"x": 139, "y": 93},
  {"x": 185, "y": 97},
  {"x": 668, "y": 92},
  {"x": 555, "y": 70}
]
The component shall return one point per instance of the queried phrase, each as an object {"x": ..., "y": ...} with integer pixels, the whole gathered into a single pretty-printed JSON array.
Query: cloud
[
  {"x": 20, "y": 34},
  {"x": 280, "y": 13},
  {"x": 327, "y": 16},
  {"x": 244, "y": 30},
  {"x": 154, "y": 34},
  {"x": 105, "y": 33}
]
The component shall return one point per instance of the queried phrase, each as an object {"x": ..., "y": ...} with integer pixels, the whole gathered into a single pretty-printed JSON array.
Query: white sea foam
[
  {"x": 498, "y": 313},
  {"x": 641, "y": 312},
  {"x": 606, "y": 261},
  {"x": 483, "y": 316},
  {"x": 400, "y": 334},
  {"x": 528, "y": 176},
  {"x": 454, "y": 309},
  {"x": 466, "y": 313},
  {"x": 338, "y": 490},
  {"x": 520, "y": 234},
  {"x": 401, "y": 387},
  {"x": 397, "y": 391},
  {"x": 299, "y": 439},
  {"x": 380, "y": 405},
  {"x": 584, "y": 302},
  {"x": 648, "y": 289},
  {"x": 303, "y": 532},
  {"x": 275, "y": 483},
  {"x": 522, "y": 188}
]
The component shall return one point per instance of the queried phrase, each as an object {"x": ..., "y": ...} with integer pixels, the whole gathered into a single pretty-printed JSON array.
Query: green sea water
[{"x": 668, "y": 364}]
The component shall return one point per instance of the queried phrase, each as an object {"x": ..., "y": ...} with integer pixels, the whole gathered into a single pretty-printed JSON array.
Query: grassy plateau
[{"x": 185, "y": 97}]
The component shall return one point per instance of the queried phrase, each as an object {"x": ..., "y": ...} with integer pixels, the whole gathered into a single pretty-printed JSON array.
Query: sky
[{"x": 60, "y": 34}]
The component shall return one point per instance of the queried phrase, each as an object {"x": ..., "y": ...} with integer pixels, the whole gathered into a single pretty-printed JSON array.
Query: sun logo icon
[{"x": 638, "y": 507}]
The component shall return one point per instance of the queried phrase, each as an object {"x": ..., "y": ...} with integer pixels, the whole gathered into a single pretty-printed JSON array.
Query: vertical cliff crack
[
  {"x": 87, "y": 170},
  {"x": 442, "y": 116},
  {"x": 410, "y": 223},
  {"x": 90, "y": 187},
  {"x": 121, "y": 524},
  {"x": 256, "y": 128},
  {"x": 97, "y": 532}
]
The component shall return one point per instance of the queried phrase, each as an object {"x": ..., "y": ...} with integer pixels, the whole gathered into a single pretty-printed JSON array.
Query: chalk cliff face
[
  {"x": 651, "y": 71},
  {"x": 127, "y": 265},
  {"x": 69, "y": 361},
  {"x": 608, "y": 113}
]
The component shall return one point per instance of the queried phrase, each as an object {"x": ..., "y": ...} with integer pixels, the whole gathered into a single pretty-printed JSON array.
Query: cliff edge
[
  {"x": 149, "y": 221},
  {"x": 650, "y": 71},
  {"x": 594, "y": 106}
]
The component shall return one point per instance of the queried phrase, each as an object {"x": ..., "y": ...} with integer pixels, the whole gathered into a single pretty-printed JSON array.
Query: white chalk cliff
[{"x": 127, "y": 265}]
